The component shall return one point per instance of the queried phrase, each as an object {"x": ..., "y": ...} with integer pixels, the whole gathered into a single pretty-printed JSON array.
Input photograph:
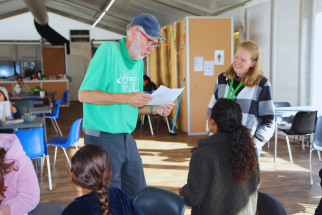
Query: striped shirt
[{"x": 256, "y": 104}]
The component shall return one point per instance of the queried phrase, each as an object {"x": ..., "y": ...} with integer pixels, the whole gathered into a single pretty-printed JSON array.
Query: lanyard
[{"x": 231, "y": 86}]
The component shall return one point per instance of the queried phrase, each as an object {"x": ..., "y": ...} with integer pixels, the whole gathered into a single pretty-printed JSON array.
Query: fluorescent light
[
  {"x": 109, "y": 5},
  {"x": 107, "y": 8}
]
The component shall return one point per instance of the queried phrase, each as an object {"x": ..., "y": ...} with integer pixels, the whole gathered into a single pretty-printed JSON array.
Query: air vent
[
  {"x": 79, "y": 39},
  {"x": 79, "y": 32},
  {"x": 79, "y": 36}
]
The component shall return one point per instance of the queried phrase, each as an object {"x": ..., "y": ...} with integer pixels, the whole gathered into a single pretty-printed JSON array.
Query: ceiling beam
[
  {"x": 94, "y": 10},
  {"x": 14, "y": 13},
  {"x": 181, "y": 7},
  {"x": 85, "y": 21},
  {"x": 230, "y": 8}
]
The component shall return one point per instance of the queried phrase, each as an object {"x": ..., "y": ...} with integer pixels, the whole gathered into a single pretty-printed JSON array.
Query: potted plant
[{"x": 42, "y": 92}]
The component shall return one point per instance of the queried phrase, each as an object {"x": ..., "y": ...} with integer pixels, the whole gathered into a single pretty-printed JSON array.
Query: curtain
[{"x": 165, "y": 67}]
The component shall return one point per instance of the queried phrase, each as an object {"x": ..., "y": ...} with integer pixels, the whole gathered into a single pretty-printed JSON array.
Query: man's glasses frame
[{"x": 150, "y": 42}]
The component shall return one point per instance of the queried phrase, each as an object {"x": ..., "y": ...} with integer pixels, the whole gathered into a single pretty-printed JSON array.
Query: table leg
[
  {"x": 45, "y": 127},
  {"x": 275, "y": 152}
]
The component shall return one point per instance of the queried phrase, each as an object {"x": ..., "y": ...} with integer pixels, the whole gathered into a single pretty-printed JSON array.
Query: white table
[{"x": 286, "y": 112}]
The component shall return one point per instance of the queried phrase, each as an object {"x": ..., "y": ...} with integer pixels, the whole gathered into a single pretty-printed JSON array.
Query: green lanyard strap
[{"x": 231, "y": 86}]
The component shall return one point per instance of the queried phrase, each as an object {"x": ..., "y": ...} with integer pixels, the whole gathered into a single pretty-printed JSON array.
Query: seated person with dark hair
[
  {"x": 21, "y": 87},
  {"x": 4, "y": 97},
  {"x": 148, "y": 85},
  {"x": 14, "y": 110}
]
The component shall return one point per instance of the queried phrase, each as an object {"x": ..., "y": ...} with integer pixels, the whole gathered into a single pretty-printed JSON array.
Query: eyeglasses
[{"x": 150, "y": 42}]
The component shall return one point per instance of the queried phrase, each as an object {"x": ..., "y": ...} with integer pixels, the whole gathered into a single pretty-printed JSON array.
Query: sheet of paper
[
  {"x": 219, "y": 57},
  {"x": 14, "y": 121},
  {"x": 209, "y": 68},
  {"x": 8, "y": 109},
  {"x": 198, "y": 64},
  {"x": 164, "y": 95}
]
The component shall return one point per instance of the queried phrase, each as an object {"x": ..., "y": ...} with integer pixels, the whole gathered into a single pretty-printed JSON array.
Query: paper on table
[
  {"x": 164, "y": 95},
  {"x": 14, "y": 121},
  {"x": 8, "y": 109}
]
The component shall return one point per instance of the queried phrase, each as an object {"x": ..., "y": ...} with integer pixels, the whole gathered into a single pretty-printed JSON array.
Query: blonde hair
[{"x": 255, "y": 74}]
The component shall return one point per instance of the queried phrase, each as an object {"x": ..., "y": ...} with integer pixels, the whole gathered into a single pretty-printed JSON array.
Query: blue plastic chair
[
  {"x": 65, "y": 97},
  {"x": 31, "y": 98},
  {"x": 54, "y": 115},
  {"x": 34, "y": 144},
  {"x": 65, "y": 143}
]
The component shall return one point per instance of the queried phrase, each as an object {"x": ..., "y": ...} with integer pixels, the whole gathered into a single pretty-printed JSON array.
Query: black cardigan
[{"x": 210, "y": 188}]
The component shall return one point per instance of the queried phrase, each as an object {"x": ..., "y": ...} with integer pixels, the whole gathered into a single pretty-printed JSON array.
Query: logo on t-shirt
[{"x": 128, "y": 83}]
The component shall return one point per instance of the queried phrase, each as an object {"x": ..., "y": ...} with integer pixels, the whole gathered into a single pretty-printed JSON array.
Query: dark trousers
[{"x": 125, "y": 161}]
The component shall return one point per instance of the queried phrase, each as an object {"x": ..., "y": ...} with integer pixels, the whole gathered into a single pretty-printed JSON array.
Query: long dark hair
[
  {"x": 228, "y": 116},
  {"x": 5, "y": 168},
  {"x": 90, "y": 169}
]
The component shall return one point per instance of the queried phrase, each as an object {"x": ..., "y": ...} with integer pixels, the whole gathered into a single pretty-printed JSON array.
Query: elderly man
[{"x": 112, "y": 93}]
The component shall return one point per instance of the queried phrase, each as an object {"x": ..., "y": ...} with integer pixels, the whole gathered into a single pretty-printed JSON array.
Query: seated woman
[
  {"x": 13, "y": 108},
  {"x": 223, "y": 174},
  {"x": 19, "y": 188},
  {"x": 90, "y": 170}
]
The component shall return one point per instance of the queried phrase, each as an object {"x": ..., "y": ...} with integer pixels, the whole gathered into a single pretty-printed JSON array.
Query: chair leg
[
  {"x": 41, "y": 167},
  {"x": 319, "y": 155},
  {"x": 141, "y": 123},
  {"x": 76, "y": 147},
  {"x": 311, "y": 178},
  {"x": 52, "y": 122},
  {"x": 268, "y": 144},
  {"x": 49, "y": 173},
  {"x": 143, "y": 119},
  {"x": 303, "y": 146},
  {"x": 58, "y": 128},
  {"x": 36, "y": 167},
  {"x": 150, "y": 125},
  {"x": 158, "y": 123},
  {"x": 167, "y": 123},
  {"x": 55, "y": 157},
  {"x": 289, "y": 148},
  {"x": 67, "y": 157}
]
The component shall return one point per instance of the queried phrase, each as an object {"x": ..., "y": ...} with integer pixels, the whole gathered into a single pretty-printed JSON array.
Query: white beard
[{"x": 135, "y": 49}]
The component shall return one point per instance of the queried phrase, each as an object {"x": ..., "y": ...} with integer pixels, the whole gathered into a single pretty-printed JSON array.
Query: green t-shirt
[{"x": 107, "y": 72}]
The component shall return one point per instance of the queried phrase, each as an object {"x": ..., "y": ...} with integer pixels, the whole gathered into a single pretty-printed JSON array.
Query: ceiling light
[{"x": 101, "y": 16}]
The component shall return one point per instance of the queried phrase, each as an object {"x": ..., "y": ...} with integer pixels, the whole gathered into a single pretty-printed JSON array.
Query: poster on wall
[
  {"x": 208, "y": 68},
  {"x": 198, "y": 64},
  {"x": 219, "y": 57}
]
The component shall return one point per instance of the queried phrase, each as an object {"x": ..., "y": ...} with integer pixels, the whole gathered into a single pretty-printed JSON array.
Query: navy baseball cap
[{"x": 150, "y": 25}]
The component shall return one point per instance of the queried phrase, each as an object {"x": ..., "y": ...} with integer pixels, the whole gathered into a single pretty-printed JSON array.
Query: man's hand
[
  {"x": 165, "y": 111},
  {"x": 139, "y": 99}
]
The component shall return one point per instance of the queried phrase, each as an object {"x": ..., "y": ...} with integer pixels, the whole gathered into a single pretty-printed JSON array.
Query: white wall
[
  {"x": 258, "y": 22},
  {"x": 317, "y": 53},
  {"x": 286, "y": 50},
  {"x": 21, "y": 27},
  {"x": 275, "y": 26}
]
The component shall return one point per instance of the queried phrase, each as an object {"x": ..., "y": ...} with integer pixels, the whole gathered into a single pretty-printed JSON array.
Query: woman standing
[
  {"x": 245, "y": 83},
  {"x": 223, "y": 173}
]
